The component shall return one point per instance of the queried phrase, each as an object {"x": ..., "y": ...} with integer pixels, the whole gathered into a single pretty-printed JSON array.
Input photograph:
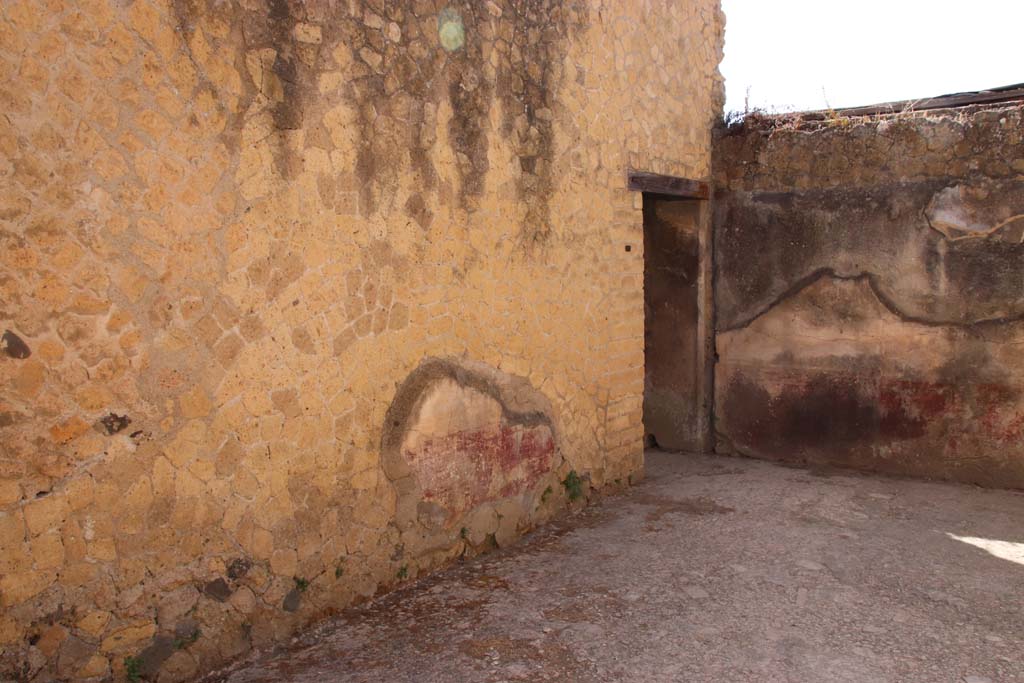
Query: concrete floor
[{"x": 714, "y": 569}]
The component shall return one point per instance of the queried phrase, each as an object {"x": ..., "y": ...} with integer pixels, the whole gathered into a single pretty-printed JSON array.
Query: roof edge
[{"x": 1006, "y": 93}]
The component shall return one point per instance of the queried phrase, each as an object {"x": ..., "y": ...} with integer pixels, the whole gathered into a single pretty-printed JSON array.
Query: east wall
[{"x": 870, "y": 292}]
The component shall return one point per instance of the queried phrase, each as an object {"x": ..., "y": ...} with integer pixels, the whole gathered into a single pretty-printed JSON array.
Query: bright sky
[{"x": 810, "y": 54}]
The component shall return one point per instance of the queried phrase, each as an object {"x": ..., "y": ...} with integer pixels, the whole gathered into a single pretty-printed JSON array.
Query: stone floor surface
[{"x": 713, "y": 569}]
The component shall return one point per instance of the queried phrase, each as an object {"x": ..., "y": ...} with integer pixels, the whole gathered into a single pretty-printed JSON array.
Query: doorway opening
[{"x": 678, "y": 344}]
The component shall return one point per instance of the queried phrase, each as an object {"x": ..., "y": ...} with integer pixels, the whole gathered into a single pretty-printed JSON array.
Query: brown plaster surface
[
  {"x": 711, "y": 570},
  {"x": 869, "y": 293}
]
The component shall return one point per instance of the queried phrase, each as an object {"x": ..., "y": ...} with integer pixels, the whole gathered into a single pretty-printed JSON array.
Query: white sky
[{"x": 867, "y": 51}]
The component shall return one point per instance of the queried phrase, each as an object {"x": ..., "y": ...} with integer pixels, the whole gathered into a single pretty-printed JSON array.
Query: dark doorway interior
[{"x": 673, "y": 412}]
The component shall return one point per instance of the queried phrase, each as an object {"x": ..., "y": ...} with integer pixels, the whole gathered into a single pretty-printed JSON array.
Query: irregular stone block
[
  {"x": 112, "y": 423},
  {"x": 218, "y": 589},
  {"x": 14, "y": 346}
]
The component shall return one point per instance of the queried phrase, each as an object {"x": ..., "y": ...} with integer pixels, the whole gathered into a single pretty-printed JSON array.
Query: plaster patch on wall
[
  {"x": 463, "y": 453},
  {"x": 963, "y": 211},
  {"x": 460, "y": 437}
]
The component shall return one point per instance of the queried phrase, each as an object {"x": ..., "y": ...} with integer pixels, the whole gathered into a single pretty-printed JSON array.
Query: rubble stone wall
[
  {"x": 870, "y": 292},
  {"x": 232, "y": 231}
]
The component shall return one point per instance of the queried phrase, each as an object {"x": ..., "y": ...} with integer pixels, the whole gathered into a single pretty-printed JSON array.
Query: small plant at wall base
[
  {"x": 182, "y": 643},
  {"x": 301, "y": 583},
  {"x": 403, "y": 572},
  {"x": 132, "y": 669},
  {"x": 573, "y": 485}
]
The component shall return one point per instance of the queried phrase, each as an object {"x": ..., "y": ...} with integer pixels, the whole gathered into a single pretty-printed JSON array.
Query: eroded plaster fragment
[
  {"x": 461, "y": 434},
  {"x": 979, "y": 210}
]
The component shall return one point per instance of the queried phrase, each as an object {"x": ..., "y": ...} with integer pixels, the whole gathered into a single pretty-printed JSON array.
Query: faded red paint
[
  {"x": 1000, "y": 417},
  {"x": 909, "y": 406},
  {"x": 463, "y": 469},
  {"x": 968, "y": 432}
]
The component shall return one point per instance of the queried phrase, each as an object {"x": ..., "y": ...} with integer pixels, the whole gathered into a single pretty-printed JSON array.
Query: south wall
[
  {"x": 300, "y": 300},
  {"x": 870, "y": 292}
]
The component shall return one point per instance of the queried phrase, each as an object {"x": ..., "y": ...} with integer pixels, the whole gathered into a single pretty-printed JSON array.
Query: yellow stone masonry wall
[{"x": 230, "y": 229}]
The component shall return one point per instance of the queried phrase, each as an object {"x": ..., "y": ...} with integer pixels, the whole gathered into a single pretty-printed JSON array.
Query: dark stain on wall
[
  {"x": 538, "y": 36},
  {"x": 287, "y": 112},
  {"x": 396, "y": 74},
  {"x": 470, "y": 94},
  {"x": 273, "y": 28},
  {"x": 809, "y": 414}
]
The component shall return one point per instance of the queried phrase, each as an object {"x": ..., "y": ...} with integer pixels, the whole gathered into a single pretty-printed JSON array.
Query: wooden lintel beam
[{"x": 656, "y": 183}]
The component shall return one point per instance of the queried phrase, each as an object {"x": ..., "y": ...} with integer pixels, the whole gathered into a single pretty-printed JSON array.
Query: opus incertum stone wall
[
  {"x": 231, "y": 231},
  {"x": 870, "y": 292}
]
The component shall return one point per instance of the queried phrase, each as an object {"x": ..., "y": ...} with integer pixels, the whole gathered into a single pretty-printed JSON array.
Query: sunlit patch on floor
[{"x": 1004, "y": 550}]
